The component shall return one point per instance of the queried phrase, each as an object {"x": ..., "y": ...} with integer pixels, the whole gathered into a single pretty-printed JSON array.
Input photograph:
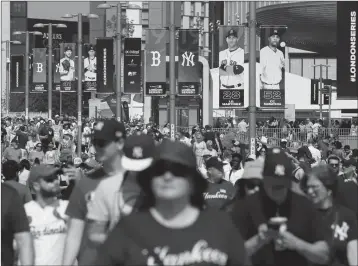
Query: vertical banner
[
  {"x": 272, "y": 63},
  {"x": 56, "y": 69},
  {"x": 155, "y": 62},
  {"x": 105, "y": 69},
  {"x": 66, "y": 67},
  {"x": 39, "y": 71},
  {"x": 314, "y": 91},
  {"x": 132, "y": 65},
  {"x": 231, "y": 66},
  {"x": 17, "y": 84},
  {"x": 347, "y": 50},
  {"x": 90, "y": 69},
  {"x": 188, "y": 72}
]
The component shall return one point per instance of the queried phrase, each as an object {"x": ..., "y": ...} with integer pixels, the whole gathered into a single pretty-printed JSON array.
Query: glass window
[
  {"x": 320, "y": 61},
  {"x": 332, "y": 70},
  {"x": 296, "y": 66},
  {"x": 308, "y": 70}
]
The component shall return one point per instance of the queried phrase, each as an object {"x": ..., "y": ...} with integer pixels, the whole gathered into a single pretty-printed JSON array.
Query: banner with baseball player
[
  {"x": 17, "y": 66},
  {"x": 188, "y": 72},
  {"x": 90, "y": 69},
  {"x": 272, "y": 66},
  {"x": 155, "y": 62},
  {"x": 132, "y": 65},
  {"x": 39, "y": 71},
  {"x": 105, "y": 70},
  {"x": 67, "y": 68},
  {"x": 231, "y": 66}
]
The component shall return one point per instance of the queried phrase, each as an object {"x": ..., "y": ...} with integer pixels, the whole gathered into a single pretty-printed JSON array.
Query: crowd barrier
[{"x": 295, "y": 137}]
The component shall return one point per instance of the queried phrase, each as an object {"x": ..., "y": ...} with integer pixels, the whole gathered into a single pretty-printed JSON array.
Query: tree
[{"x": 127, "y": 26}]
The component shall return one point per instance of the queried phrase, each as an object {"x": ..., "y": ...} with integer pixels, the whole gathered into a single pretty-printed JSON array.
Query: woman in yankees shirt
[{"x": 172, "y": 228}]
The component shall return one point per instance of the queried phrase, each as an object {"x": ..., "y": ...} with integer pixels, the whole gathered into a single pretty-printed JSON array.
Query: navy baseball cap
[
  {"x": 214, "y": 162},
  {"x": 277, "y": 164},
  {"x": 232, "y": 32},
  {"x": 138, "y": 152},
  {"x": 275, "y": 32},
  {"x": 68, "y": 48},
  {"x": 42, "y": 171},
  {"x": 109, "y": 130},
  {"x": 91, "y": 48}
]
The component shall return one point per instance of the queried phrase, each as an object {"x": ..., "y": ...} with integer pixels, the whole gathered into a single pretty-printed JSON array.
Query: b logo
[
  {"x": 155, "y": 58},
  {"x": 39, "y": 67}
]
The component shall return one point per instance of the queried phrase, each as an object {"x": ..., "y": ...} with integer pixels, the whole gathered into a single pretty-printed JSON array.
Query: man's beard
[{"x": 49, "y": 194}]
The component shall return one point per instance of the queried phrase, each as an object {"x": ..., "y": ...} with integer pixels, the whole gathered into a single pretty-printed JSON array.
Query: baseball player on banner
[
  {"x": 272, "y": 62},
  {"x": 231, "y": 60},
  {"x": 67, "y": 66},
  {"x": 90, "y": 65}
]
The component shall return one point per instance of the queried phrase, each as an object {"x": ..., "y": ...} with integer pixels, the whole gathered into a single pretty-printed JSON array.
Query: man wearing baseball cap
[
  {"x": 231, "y": 62},
  {"x": 90, "y": 65},
  {"x": 117, "y": 195},
  {"x": 46, "y": 215},
  {"x": 280, "y": 227},
  {"x": 272, "y": 62},
  {"x": 108, "y": 138},
  {"x": 67, "y": 65}
]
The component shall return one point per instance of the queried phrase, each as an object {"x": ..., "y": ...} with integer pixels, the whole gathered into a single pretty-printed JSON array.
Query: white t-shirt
[
  {"x": 234, "y": 175},
  {"x": 49, "y": 228},
  {"x": 23, "y": 176},
  {"x": 271, "y": 63},
  {"x": 316, "y": 154},
  {"x": 233, "y": 58}
]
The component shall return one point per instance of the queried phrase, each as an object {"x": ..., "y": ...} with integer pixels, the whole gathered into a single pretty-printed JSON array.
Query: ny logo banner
[
  {"x": 39, "y": 71},
  {"x": 188, "y": 70},
  {"x": 155, "y": 62}
]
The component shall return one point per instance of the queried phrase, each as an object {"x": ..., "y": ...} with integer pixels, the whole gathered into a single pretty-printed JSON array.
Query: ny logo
[
  {"x": 57, "y": 68},
  {"x": 39, "y": 67},
  {"x": 341, "y": 232},
  {"x": 280, "y": 170},
  {"x": 137, "y": 152},
  {"x": 188, "y": 58},
  {"x": 155, "y": 58}
]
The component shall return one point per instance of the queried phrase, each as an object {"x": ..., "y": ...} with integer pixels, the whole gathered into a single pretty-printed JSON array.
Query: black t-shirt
[
  {"x": 347, "y": 194},
  {"x": 3, "y": 134},
  {"x": 13, "y": 220},
  {"x": 218, "y": 195},
  {"x": 139, "y": 239},
  {"x": 51, "y": 134},
  {"x": 22, "y": 139},
  {"x": 340, "y": 225},
  {"x": 303, "y": 222}
]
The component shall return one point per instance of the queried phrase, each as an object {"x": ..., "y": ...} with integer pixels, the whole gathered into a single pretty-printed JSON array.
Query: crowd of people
[{"x": 136, "y": 197}]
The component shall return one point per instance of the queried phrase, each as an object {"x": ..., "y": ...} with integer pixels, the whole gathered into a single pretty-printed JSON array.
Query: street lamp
[
  {"x": 214, "y": 28},
  {"x": 198, "y": 25},
  {"x": 49, "y": 25},
  {"x": 79, "y": 81},
  {"x": 118, "y": 55},
  {"x": 320, "y": 89},
  {"x": 8, "y": 78},
  {"x": 27, "y": 64}
]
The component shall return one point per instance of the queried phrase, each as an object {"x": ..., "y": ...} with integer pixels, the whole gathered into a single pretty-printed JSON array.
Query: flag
[{"x": 39, "y": 71}]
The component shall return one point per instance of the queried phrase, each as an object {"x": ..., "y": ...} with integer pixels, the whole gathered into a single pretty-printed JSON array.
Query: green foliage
[{"x": 127, "y": 26}]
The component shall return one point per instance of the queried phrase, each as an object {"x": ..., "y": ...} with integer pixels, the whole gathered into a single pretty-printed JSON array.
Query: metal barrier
[{"x": 295, "y": 137}]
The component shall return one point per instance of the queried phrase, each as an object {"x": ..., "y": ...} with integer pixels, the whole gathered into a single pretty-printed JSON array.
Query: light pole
[
  {"x": 214, "y": 28},
  {"x": 118, "y": 56},
  {"x": 200, "y": 27},
  {"x": 8, "y": 78},
  {"x": 27, "y": 65},
  {"x": 79, "y": 80},
  {"x": 49, "y": 25},
  {"x": 172, "y": 78},
  {"x": 320, "y": 88},
  {"x": 252, "y": 77}
]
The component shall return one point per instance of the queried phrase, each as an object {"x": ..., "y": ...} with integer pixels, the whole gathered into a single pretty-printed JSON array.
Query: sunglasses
[
  {"x": 334, "y": 165},
  {"x": 51, "y": 180},
  {"x": 100, "y": 143},
  {"x": 161, "y": 167}
]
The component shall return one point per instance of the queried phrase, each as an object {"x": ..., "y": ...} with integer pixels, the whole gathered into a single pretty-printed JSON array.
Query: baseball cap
[
  {"x": 215, "y": 163},
  {"x": 138, "y": 152},
  {"x": 232, "y": 32},
  {"x": 274, "y": 32},
  {"x": 91, "y": 48},
  {"x": 91, "y": 163},
  {"x": 349, "y": 163},
  {"x": 277, "y": 164},
  {"x": 283, "y": 140},
  {"x": 77, "y": 161},
  {"x": 109, "y": 130},
  {"x": 68, "y": 48},
  {"x": 42, "y": 171},
  {"x": 253, "y": 169},
  {"x": 175, "y": 152}
]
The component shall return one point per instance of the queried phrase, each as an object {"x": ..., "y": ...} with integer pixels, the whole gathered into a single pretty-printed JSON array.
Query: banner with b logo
[
  {"x": 155, "y": 62},
  {"x": 39, "y": 71}
]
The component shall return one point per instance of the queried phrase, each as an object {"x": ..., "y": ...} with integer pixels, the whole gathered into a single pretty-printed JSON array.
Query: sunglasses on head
[{"x": 177, "y": 169}]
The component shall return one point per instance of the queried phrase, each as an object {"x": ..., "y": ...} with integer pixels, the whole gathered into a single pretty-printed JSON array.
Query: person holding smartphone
[{"x": 280, "y": 227}]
